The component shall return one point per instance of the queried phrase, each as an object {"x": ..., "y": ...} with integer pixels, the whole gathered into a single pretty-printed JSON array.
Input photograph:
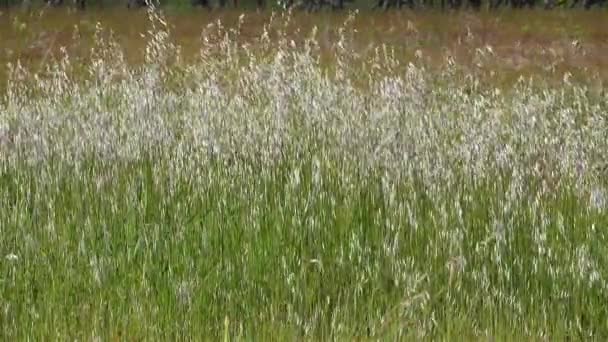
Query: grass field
[{"x": 378, "y": 177}]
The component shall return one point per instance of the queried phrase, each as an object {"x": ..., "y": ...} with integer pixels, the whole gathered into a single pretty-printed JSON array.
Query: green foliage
[{"x": 144, "y": 252}]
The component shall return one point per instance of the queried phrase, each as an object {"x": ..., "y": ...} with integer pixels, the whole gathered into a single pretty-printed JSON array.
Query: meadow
[{"x": 287, "y": 176}]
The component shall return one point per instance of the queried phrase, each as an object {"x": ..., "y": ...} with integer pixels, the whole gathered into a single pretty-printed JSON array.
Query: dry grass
[{"x": 505, "y": 44}]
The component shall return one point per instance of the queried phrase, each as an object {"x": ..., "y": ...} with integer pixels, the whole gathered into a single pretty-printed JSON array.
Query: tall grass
[{"x": 259, "y": 193}]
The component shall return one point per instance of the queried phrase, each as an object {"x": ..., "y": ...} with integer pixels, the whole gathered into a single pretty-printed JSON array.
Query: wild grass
[
  {"x": 258, "y": 193},
  {"x": 540, "y": 43}
]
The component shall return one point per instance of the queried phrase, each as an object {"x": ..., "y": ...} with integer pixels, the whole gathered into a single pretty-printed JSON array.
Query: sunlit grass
[{"x": 273, "y": 190}]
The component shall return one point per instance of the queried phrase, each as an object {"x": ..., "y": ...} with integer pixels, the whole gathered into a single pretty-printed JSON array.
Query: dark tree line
[
  {"x": 314, "y": 5},
  {"x": 491, "y": 4}
]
